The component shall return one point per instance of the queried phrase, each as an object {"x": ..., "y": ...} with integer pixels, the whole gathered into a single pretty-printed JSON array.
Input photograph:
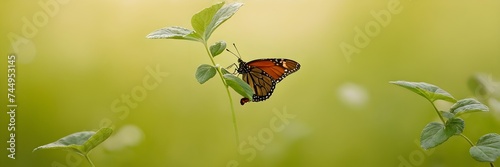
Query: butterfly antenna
[
  {"x": 232, "y": 53},
  {"x": 237, "y": 51}
]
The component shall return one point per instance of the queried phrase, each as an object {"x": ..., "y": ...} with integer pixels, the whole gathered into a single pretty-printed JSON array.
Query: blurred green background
[{"x": 81, "y": 60}]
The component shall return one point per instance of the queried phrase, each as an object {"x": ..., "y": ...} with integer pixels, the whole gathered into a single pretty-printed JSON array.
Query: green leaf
[
  {"x": 432, "y": 135},
  {"x": 100, "y": 136},
  {"x": 204, "y": 73},
  {"x": 221, "y": 16},
  {"x": 467, "y": 106},
  {"x": 447, "y": 115},
  {"x": 174, "y": 33},
  {"x": 455, "y": 126},
  {"x": 80, "y": 142},
  {"x": 429, "y": 91},
  {"x": 435, "y": 133},
  {"x": 240, "y": 86},
  {"x": 487, "y": 148},
  {"x": 217, "y": 48},
  {"x": 201, "y": 20},
  {"x": 224, "y": 71},
  {"x": 204, "y": 24}
]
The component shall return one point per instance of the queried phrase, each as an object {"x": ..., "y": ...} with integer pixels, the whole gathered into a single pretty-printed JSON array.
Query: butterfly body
[{"x": 263, "y": 75}]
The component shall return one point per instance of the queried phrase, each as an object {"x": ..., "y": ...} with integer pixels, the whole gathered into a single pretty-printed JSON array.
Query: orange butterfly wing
[
  {"x": 263, "y": 75},
  {"x": 276, "y": 68}
]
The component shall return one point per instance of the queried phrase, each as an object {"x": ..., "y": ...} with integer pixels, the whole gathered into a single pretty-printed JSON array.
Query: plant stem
[
  {"x": 472, "y": 145},
  {"x": 468, "y": 140},
  {"x": 235, "y": 125},
  {"x": 88, "y": 159},
  {"x": 438, "y": 113},
  {"x": 234, "y": 117}
]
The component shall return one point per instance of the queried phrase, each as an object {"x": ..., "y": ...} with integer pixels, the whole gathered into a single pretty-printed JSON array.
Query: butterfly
[{"x": 263, "y": 74}]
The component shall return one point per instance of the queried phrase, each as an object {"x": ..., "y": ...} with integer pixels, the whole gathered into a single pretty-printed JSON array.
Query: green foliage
[
  {"x": 174, "y": 33},
  {"x": 204, "y": 24},
  {"x": 487, "y": 148},
  {"x": 428, "y": 91},
  {"x": 201, "y": 21},
  {"x": 224, "y": 71},
  {"x": 238, "y": 85},
  {"x": 206, "y": 21},
  {"x": 488, "y": 90},
  {"x": 204, "y": 73},
  {"x": 436, "y": 133},
  {"x": 469, "y": 105},
  {"x": 80, "y": 142},
  {"x": 217, "y": 48}
]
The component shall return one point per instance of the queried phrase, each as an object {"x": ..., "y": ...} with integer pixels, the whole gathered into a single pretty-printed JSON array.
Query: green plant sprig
[
  {"x": 487, "y": 149},
  {"x": 204, "y": 24},
  {"x": 80, "y": 142}
]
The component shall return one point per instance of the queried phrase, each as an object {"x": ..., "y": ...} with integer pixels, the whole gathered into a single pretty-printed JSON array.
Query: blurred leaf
[
  {"x": 204, "y": 73},
  {"x": 467, "y": 106},
  {"x": 201, "y": 20},
  {"x": 429, "y": 91},
  {"x": 221, "y": 16},
  {"x": 174, "y": 33},
  {"x": 483, "y": 86},
  {"x": 217, "y": 48},
  {"x": 240, "y": 86},
  {"x": 487, "y": 148},
  {"x": 435, "y": 133},
  {"x": 80, "y": 142}
]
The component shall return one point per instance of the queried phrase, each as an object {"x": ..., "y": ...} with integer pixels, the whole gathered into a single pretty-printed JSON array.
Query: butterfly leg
[{"x": 235, "y": 69}]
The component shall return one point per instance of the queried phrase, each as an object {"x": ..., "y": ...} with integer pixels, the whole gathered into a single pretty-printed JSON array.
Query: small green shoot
[
  {"x": 487, "y": 149},
  {"x": 204, "y": 24},
  {"x": 80, "y": 142}
]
